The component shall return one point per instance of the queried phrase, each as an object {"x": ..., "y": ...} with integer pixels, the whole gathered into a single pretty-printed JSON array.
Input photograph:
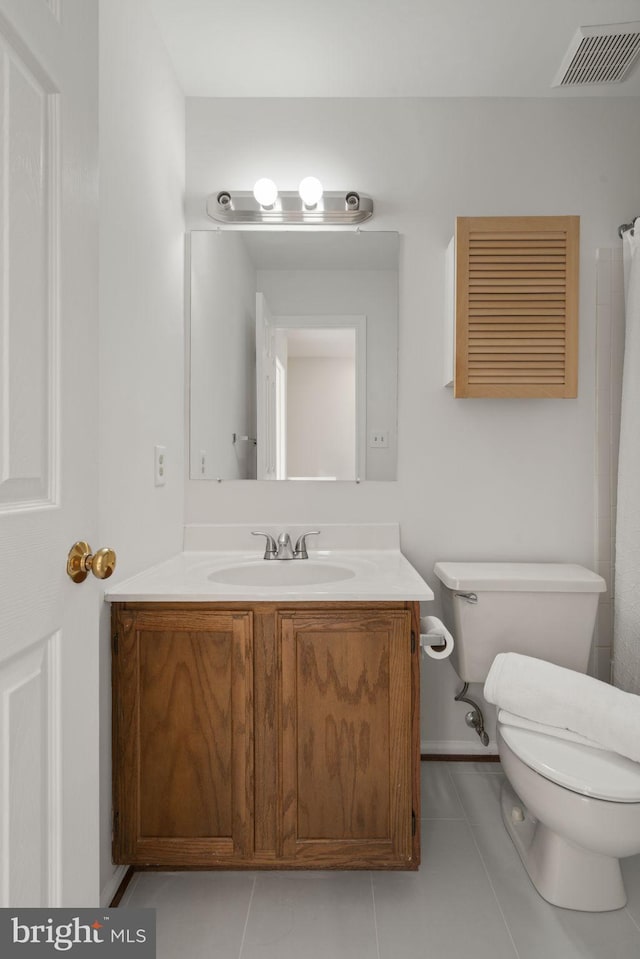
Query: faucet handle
[
  {"x": 270, "y": 548},
  {"x": 300, "y": 551}
]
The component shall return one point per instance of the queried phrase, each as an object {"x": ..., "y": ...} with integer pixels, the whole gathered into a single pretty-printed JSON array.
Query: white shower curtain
[{"x": 626, "y": 644}]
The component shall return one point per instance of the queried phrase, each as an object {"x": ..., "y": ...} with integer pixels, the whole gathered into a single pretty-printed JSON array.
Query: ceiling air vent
[{"x": 600, "y": 54}]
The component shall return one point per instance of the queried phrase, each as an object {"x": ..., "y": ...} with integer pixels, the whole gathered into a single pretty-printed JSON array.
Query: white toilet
[{"x": 572, "y": 811}]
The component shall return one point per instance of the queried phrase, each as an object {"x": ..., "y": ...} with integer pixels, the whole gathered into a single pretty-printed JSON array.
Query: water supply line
[{"x": 474, "y": 717}]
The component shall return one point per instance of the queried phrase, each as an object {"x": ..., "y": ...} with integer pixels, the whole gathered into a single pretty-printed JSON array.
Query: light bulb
[
  {"x": 310, "y": 191},
  {"x": 266, "y": 192}
]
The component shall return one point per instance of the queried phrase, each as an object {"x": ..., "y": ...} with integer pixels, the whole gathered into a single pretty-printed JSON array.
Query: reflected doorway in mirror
[{"x": 311, "y": 388}]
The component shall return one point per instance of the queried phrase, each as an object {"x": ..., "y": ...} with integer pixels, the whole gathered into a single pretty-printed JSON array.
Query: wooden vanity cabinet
[{"x": 266, "y": 736}]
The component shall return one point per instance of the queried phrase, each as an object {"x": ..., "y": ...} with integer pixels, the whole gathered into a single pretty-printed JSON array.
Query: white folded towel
[{"x": 554, "y": 696}]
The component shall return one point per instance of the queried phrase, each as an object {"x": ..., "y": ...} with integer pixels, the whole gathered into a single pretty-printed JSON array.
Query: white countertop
[{"x": 369, "y": 575}]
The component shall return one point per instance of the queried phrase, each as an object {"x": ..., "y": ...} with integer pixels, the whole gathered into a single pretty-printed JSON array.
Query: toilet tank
[{"x": 546, "y": 610}]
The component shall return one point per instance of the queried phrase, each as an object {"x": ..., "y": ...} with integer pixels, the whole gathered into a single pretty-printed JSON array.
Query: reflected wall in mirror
[{"x": 294, "y": 347}]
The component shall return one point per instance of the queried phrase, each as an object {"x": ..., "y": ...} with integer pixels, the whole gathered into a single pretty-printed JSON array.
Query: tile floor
[{"x": 471, "y": 897}]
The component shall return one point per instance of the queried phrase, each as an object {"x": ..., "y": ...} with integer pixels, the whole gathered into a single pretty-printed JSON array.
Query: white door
[
  {"x": 48, "y": 452},
  {"x": 265, "y": 390},
  {"x": 281, "y": 351}
]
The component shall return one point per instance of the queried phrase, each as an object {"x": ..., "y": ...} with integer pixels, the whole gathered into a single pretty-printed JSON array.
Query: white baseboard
[
  {"x": 110, "y": 888},
  {"x": 457, "y": 747}
]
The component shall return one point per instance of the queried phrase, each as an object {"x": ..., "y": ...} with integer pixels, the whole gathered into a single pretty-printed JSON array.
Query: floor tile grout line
[
  {"x": 486, "y": 871},
  {"x": 493, "y": 890},
  {"x": 458, "y": 797},
  {"x": 375, "y": 917},
  {"x": 631, "y": 917},
  {"x": 455, "y": 789},
  {"x": 246, "y": 921}
]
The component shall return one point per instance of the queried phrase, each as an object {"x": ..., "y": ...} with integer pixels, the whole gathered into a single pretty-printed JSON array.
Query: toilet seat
[{"x": 596, "y": 773}]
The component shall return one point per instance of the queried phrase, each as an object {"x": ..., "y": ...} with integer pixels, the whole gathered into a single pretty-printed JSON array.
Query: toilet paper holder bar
[
  {"x": 433, "y": 632},
  {"x": 432, "y": 639},
  {"x": 435, "y": 639}
]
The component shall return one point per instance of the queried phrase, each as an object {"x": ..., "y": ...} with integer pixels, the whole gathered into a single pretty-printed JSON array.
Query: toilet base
[{"x": 563, "y": 873}]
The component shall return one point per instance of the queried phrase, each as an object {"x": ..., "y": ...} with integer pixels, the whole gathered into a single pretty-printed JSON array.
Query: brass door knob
[{"x": 81, "y": 561}]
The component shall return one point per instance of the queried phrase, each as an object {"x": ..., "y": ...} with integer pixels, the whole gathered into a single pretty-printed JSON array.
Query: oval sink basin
[{"x": 281, "y": 573}]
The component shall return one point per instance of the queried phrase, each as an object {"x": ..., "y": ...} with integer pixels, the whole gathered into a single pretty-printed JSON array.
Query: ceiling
[{"x": 381, "y": 48}]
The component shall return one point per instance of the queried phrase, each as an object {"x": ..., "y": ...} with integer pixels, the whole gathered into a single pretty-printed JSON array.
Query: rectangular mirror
[{"x": 294, "y": 355}]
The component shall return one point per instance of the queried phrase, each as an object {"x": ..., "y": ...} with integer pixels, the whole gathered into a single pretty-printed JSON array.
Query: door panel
[
  {"x": 186, "y": 741},
  {"x": 183, "y": 715},
  {"x": 29, "y": 172},
  {"x": 48, "y": 451},
  {"x": 343, "y": 734},
  {"x": 28, "y": 769},
  {"x": 346, "y": 743}
]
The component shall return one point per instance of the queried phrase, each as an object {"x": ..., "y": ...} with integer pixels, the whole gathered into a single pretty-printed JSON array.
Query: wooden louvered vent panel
[{"x": 517, "y": 306}]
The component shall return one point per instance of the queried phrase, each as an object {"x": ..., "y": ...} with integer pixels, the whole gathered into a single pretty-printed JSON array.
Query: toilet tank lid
[{"x": 520, "y": 577}]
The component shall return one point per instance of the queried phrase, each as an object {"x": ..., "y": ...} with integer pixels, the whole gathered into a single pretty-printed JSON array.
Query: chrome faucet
[
  {"x": 283, "y": 548},
  {"x": 300, "y": 551},
  {"x": 270, "y": 549}
]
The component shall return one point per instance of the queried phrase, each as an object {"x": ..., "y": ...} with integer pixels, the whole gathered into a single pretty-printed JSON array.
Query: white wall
[
  {"x": 141, "y": 394},
  {"x": 222, "y": 357},
  {"x": 508, "y": 479},
  {"x": 321, "y": 416},
  {"x": 476, "y": 479}
]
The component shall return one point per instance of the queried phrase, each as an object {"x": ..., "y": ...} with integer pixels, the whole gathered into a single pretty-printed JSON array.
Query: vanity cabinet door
[
  {"x": 346, "y": 746},
  {"x": 183, "y": 737}
]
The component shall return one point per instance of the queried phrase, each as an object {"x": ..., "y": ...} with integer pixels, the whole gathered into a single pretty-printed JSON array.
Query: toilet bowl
[{"x": 572, "y": 812}]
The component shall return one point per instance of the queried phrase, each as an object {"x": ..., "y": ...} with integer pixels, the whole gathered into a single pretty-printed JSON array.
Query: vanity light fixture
[
  {"x": 308, "y": 205},
  {"x": 310, "y": 191},
  {"x": 265, "y": 192}
]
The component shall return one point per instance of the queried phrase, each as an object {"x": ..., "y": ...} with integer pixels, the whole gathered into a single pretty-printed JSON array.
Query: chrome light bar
[{"x": 288, "y": 208}]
